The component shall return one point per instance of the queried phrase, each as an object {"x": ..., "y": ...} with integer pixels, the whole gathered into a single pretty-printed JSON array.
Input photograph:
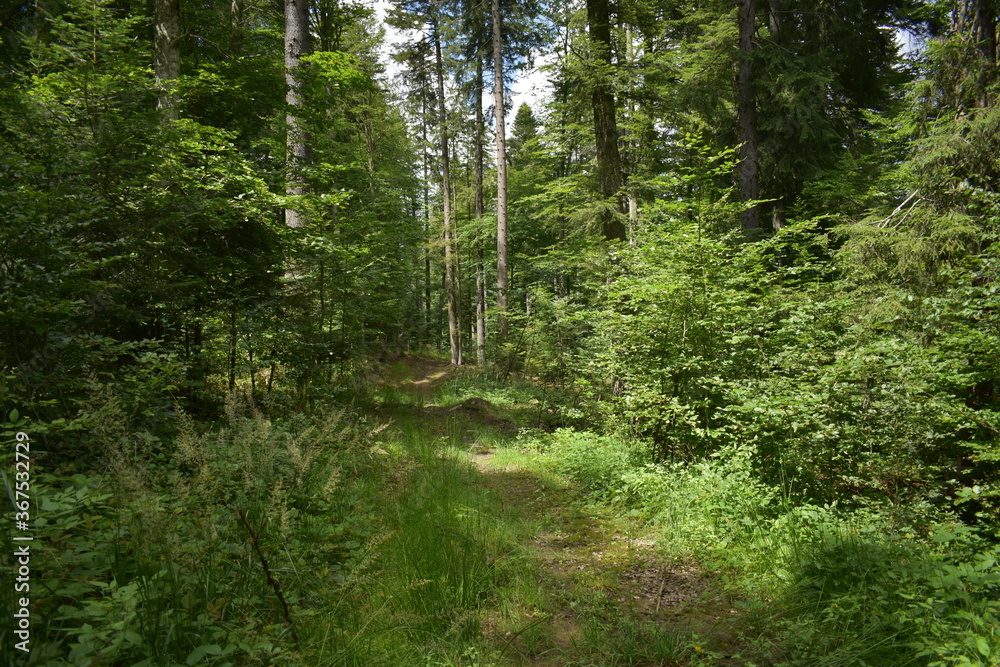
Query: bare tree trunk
[
  {"x": 609, "y": 161},
  {"x": 633, "y": 202},
  {"x": 779, "y": 213},
  {"x": 500, "y": 121},
  {"x": 236, "y": 27},
  {"x": 480, "y": 210},
  {"x": 167, "y": 56},
  {"x": 296, "y": 45},
  {"x": 427, "y": 219},
  {"x": 454, "y": 337},
  {"x": 457, "y": 288},
  {"x": 748, "y": 169},
  {"x": 232, "y": 348}
]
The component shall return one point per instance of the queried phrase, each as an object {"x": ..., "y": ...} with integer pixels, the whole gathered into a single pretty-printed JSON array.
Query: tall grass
[
  {"x": 216, "y": 546},
  {"x": 829, "y": 586},
  {"x": 450, "y": 555}
]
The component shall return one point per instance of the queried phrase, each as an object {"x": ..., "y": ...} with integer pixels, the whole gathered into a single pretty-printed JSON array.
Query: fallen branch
[
  {"x": 659, "y": 596},
  {"x": 255, "y": 541},
  {"x": 885, "y": 221}
]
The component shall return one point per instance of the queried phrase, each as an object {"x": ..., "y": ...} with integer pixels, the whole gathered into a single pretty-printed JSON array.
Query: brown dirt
[
  {"x": 427, "y": 374},
  {"x": 424, "y": 375}
]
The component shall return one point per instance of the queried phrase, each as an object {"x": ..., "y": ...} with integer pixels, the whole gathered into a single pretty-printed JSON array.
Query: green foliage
[
  {"x": 153, "y": 564},
  {"x": 846, "y": 586},
  {"x": 594, "y": 462},
  {"x": 891, "y": 601},
  {"x": 814, "y": 413}
]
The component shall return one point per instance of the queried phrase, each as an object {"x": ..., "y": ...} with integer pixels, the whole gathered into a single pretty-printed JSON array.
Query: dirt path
[
  {"x": 418, "y": 374},
  {"x": 603, "y": 579},
  {"x": 604, "y": 570}
]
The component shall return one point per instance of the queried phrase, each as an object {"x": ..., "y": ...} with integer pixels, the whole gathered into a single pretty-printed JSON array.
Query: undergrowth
[
  {"x": 323, "y": 540},
  {"x": 231, "y": 545},
  {"x": 825, "y": 585},
  {"x": 449, "y": 555}
]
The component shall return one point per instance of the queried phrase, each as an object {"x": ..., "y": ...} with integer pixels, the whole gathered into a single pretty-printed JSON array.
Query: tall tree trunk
[
  {"x": 167, "y": 56},
  {"x": 296, "y": 45},
  {"x": 237, "y": 30},
  {"x": 748, "y": 170},
  {"x": 454, "y": 337},
  {"x": 977, "y": 21},
  {"x": 480, "y": 210},
  {"x": 634, "y": 142},
  {"x": 427, "y": 219},
  {"x": 500, "y": 120},
  {"x": 232, "y": 347},
  {"x": 457, "y": 288},
  {"x": 609, "y": 161},
  {"x": 779, "y": 213}
]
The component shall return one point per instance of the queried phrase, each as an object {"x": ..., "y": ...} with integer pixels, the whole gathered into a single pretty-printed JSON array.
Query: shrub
[{"x": 597, "y": 463}]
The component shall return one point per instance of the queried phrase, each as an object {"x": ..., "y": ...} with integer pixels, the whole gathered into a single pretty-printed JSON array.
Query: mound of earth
[{"x": 473, "y": 404}]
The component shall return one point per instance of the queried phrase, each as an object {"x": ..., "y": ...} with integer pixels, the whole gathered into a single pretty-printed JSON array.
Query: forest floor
[{"x": 606, "y": 594}]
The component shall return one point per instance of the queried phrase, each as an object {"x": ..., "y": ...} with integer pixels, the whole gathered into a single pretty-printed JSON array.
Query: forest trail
[{"x": 607, "y": 594}]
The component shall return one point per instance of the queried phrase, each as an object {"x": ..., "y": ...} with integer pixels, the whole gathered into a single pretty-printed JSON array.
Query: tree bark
[
  {"x": 427, "y": 217},
  {"x": 232, "y": 348},
  {"x": 167, "y": 56},
  {"x": 609, "y": 161},
  {"x": 454, "y": 335},
  {"x": 779, "y": 217},
  {"x": 633, "y": 201},
  {"x": 976, "y": 20},
  {"x": 480, "y": 210},
  {"x": 500, "y": 120},
  {"x": 748, "y": 169},
  {"x": 297, "y": 141},
  {"x": 236, "y": 27}
]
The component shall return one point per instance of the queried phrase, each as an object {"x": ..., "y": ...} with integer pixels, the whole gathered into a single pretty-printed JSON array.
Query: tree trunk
[
  {"x": 296, "y": 45},
  {"x": 500, "y": 120},
  {"x": 779, "y": 213},
  {"x": 232, "y": 347},
  {"x": 976, "y": 20},
  {"x": 480, "y": 210},
  {"x": 609, "y": 161},
  {"x": 167, "y": 57},
  {"x": 427, "y": 221},
  {"x": 454, "y": 337},
  {"x": 456, "y": 259},
  {"x": 748, "y": 169},
  {"x": 634, "y": 142},
  {"x": 236, "y": 27}
]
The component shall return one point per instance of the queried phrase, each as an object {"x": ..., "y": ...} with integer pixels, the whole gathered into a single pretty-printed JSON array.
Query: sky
[{"x": 531, "y": 85}]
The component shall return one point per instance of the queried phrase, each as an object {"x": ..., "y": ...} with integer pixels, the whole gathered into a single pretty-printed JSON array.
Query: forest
[{"x": 317, "y": 349}]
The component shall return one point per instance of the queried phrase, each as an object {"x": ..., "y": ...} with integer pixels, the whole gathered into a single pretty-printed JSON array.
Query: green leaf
[
  {"x": 14, "y": 414},
  {"x": 983, "y": 646},
  {"x": 196, "y": 655}
]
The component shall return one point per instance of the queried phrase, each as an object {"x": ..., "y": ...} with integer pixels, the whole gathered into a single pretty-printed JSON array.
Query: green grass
[
  {"x": 821, "y": 586},
  {"x": 392, "y": 547},
  {"x": 448, "y": 573}
]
